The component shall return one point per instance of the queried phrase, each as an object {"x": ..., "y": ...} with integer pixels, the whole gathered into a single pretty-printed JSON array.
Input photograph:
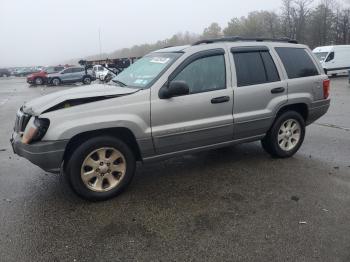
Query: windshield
[
  {"x": 143, "y": 72},
  {"x": 321, "y": 55}
]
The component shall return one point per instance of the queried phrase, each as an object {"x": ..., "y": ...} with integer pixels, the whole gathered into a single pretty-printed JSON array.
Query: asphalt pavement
[{"x": 230, "y": 204}]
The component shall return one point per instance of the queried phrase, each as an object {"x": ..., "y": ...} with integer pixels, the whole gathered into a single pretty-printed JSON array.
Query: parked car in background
[
  {"x": 4, "y": 72},
  {"x": 70, "y": 75},
  {"x": 40, "y": 77},
  {"x": 21, "y": 72},
  {"x": 173, "y": 101},
  {"x": 334, "y": 59}
]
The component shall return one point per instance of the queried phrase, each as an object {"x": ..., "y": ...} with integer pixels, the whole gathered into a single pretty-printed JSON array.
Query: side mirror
[{"x": 175, "y": 88}]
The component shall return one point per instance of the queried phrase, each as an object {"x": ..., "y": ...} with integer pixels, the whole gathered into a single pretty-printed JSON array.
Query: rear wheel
[
  {"x": 285, "y": 136},
  {"x": 101, "y": 168}
]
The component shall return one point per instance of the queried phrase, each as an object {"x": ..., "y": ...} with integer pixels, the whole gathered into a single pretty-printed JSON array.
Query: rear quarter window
[{"x": 297, "y": 62}]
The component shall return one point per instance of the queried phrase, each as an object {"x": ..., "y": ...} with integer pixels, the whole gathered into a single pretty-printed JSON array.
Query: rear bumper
[
  {"x": 317, "y": 110},
  {"x": 48, "y": 155}
]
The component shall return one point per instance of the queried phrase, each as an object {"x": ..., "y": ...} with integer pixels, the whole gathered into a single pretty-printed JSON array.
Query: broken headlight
[{"x": 36, "y": 131}]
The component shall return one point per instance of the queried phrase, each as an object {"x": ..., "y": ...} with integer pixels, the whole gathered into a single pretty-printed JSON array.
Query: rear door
[
  {"x": 77, "y": 74},
  {"x": 259, "y": 90},
  {"x": 80, "y": 73}
]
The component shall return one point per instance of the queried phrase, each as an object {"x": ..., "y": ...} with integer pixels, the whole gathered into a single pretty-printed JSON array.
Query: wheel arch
[
  {"x": 301, "y": 108},
  {"x": 56, "y": 77},
  {"x": 122, "y": 133}
]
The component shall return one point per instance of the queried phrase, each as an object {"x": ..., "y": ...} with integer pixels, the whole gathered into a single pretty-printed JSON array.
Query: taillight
[{"x": 326, "y": 88}]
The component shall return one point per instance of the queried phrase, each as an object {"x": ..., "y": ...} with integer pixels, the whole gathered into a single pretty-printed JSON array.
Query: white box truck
[{"x": 334, "y": 59}]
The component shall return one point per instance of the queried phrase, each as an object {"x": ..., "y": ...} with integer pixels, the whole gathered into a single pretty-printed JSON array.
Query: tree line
[{"x": 315, "y": 23}]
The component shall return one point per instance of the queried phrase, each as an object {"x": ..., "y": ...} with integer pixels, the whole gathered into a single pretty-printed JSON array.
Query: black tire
[
  {"x": 87, "y": 80},
  {"x": 56, "y": 81},
  {"x": 270, "y": 142},
  {"x": 75, "y": 162},
  {"x": 39, "y": 81}
]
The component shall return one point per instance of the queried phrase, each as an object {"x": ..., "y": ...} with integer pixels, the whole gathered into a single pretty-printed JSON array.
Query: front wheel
[
  {"x": 285, "y": 136},
  {"x": 101, "y": 168},
  {"x": 56, "y": 81},
  {"x": 38, "y": 81}
]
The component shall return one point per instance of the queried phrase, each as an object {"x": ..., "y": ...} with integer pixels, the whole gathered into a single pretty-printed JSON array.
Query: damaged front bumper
[{"x": 48, "y": 155}]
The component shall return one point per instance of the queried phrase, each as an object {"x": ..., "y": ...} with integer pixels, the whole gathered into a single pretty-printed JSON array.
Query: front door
[
  {"x": 201, "y": 118},
  {"x": 67, "y": 75}
]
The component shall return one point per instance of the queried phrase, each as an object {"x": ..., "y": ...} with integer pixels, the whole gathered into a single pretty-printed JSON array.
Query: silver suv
[
  {"x": 174, "y": 101},
  {"x": 70, "y": 75}
]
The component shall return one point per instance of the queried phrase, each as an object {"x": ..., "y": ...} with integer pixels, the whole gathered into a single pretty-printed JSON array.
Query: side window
[
  {"x": 330, "y": 57},
  {"x": 297, "y": 62},
  {"x": 77, "y": 70},
  {"x": 69, "y": 70},
  {"x": 204, "y": 74},
  {"x": 253, "y": 68},
  {"x": 271, "y": 70}
]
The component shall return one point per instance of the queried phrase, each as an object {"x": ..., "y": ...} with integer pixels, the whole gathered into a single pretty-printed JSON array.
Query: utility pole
[{"x": 99, "y": 40}]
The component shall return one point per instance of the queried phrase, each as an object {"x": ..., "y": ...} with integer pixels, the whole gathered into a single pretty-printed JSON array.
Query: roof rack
[{"x": 239, "y": 38}]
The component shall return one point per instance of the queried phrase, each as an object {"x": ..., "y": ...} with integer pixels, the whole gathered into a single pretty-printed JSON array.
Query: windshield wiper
[{"x": 119, "y": 82}]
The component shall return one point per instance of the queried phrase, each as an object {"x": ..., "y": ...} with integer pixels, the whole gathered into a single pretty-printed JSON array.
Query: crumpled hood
[{"x": 39, "y": 105}]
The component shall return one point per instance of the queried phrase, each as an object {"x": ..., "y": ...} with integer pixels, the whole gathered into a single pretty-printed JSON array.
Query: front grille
[{"x": 22, "y": 120}]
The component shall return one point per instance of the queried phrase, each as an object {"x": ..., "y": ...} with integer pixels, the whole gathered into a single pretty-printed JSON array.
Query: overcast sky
[{"x": 43, "y": 32}]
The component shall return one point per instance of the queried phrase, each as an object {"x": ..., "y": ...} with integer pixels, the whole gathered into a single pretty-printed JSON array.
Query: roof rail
[{"x": 239, "y": 38}]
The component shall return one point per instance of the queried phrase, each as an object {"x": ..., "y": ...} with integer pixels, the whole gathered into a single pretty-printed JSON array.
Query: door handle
[
  {"x": 221, "y": 99},
  {"x": 277, "y": 90}
]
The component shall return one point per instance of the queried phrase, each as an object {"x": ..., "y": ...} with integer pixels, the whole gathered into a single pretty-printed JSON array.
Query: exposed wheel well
[
  {"x": 120, "y": 132},
  {"x": 301, "y": 108}
]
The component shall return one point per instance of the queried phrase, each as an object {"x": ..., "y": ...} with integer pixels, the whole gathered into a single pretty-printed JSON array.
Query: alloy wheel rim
[
  {"x": 103, "y": 169},
  {"x": 289, "y": 135}
]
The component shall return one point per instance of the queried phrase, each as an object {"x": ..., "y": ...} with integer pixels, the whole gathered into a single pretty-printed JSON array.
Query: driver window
[{"x": 204, "y": 74}]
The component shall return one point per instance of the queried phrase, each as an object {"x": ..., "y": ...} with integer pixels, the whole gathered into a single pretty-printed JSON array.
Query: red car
[{"x": 40, "y": 78}]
